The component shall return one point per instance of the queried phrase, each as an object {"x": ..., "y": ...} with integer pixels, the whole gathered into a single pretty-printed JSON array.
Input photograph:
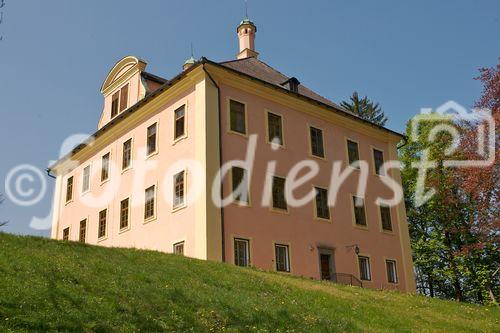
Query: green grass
[{"x": 47, "y": 285}]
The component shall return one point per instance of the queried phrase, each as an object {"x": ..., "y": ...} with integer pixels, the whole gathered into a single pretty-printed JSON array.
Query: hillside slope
[{"x": 55, "y": 286}]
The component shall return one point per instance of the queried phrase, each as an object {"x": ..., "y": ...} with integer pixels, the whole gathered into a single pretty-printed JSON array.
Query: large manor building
[{"x": 146, "y": 179}]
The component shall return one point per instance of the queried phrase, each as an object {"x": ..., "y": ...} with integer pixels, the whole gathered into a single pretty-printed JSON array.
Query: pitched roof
[{"x": 260, "y": 70}]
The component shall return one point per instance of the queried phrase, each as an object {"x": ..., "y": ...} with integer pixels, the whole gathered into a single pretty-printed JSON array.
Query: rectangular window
[
  {"x": 114, "y": 104},
  {"x": 83, "y": 231},
  {"x": 359, "y": 210},
  {"x": 124, "y": 213},
  {"x": 279, "y": 200},
  {"x": 151, "y": 140},
  {"x": 385, "y": 216},
  {"x": 239, "y": 180},
  {"x": 179, "y": 190},
  {"x": 364, "y": 268},
  {"x": 105, "y": 167},
  {"x": 317, "y": 148},
  {"x": 275, "y": 129},
  {"x": 237, "y": 117},
  {"x": 322, "y": 208},
  {"x": 66, "y": 234},
  {"x": 179, "y": 248},
  {"x": 124, "y": 98},
  {"x": 149, "y": 205},
  {"x": 378, "y": 159},
  {"x": 352, "y": 152},
  {"x": 69, "y": 189},
  {"x": 101, "y": 230},
  {"x": 127, "y": 154},
  {"x": 180, "y": 122},
  {"x": 392, "y": 274},
  {"x": 86, "y": 179},
  {"x": 241, "y": 252},
  {"x": 282, "y": 258}
]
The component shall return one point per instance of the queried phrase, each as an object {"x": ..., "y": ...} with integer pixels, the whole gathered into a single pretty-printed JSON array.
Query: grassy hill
[{"x": 55, "y": 286}]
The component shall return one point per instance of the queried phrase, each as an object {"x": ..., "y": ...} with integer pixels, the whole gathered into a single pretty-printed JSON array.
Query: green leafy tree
[
  {"x": 365, "y": 109},
  {"x": 452, "y": 257}
]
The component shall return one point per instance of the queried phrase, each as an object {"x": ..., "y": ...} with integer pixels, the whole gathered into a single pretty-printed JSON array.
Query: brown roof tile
[{"x": 260, "y": 70}]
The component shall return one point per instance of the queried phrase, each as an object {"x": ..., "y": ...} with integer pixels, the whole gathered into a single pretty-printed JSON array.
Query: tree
[
  {"x": 454, "y": 235},
  {"x": 365, "y": 109}
]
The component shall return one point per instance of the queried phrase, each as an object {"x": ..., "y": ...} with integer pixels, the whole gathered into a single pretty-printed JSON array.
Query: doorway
[{"x": 326, "y": 264}]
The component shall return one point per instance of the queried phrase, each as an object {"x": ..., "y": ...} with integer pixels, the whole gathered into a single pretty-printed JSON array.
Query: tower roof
[{"x": 246, "y": 21}]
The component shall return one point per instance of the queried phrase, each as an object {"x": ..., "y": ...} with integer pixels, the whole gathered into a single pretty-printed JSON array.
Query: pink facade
[{"x": 314, "y": 246}]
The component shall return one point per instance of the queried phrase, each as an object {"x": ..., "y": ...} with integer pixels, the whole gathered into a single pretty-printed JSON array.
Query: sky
[{"x": 55, "y": 54}]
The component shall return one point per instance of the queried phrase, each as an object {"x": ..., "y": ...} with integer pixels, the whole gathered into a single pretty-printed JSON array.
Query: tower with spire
[{"x": 246, "y": 34}]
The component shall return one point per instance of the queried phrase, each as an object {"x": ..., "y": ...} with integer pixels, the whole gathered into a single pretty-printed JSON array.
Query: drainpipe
[{"x": 220, "y": 159}]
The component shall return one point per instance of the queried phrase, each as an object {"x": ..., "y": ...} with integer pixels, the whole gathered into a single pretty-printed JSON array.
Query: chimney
[{"x": 246, "y": 34}]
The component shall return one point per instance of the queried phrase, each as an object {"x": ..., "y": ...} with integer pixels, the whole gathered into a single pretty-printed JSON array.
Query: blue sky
[{"x": 55, "y": 54}]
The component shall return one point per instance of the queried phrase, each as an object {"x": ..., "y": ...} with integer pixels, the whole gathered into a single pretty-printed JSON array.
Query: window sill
[
  {"x": 85, "y": 193},
  {"x": 149, "y": 220},
  {"x": 179, "y": 139},
  {"x": 353, "y": 168},
  {"x": 321, "y": 158},
  {"x": 388, "y": 232},
  {"x": 68, "y": 202},
  {"x": 124, "y": 230},
  {"x": 320, "y": 219},
  {"x": 245, "y": 135},
  {"x": 126, "y": 169},
  {"x": 279, "y": 210},
  {"x": 276, "y": 146},
  {"x": 361, "y": 227},
  {"x": 178, "y": 208},
  {"x": 151, "y": 155},
  {"x": 242, "y": 204},
  {"x": 102, "y": 239},
  {"x": 103, "y": 182}
]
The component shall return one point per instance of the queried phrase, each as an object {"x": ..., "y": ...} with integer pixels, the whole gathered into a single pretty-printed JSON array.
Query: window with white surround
[
  {"x": 151, "y": 139},
  {"x": 378, "y": 161},
  {"x": 352, "y": 152},
  {"x": 179, "y": 189},
  {"x": 364, "y": 268},
  {"x": 119, "y": 101},
  {"x": 83, "y": 231},
  {"x": 86, "y": 179},
  {"x": 239, "y": 180},
  {"x": 321, "y": 201},
  {"x": 127, "y": 154},
  {"x": 66, "y": 234},
  {"x": 124, "y": 213},
  {"x": 282, "y": 257},
  {"x": 69, "y": 189},
  {"x": 180, "y": 122},
  {"x": 317, "y": 147},
  {"x": 359, "y": 211},
  {"x": 149, "y": 205},
  {"x": 179, "y": 248},
  {"x": 385, "y": 216},
  {"x": 274, "y": 128},
  {"x": 241, "y": 252},
  {"x": 105, "y": 167},
  {"x": 237, "y": 117},
  {"x": 101, "y": 230},
  {"x": 392, "y": 274},
  {"x": 278, "y": 192}
]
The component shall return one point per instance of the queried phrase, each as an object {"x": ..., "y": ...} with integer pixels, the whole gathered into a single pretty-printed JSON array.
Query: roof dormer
[{"x": 125, "y": 85}]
